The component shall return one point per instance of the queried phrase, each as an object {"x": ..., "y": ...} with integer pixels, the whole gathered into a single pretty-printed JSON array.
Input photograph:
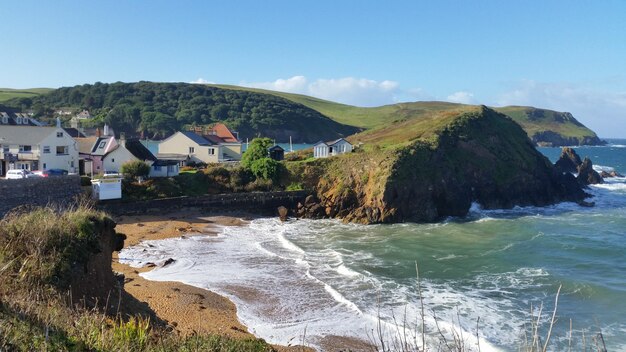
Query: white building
[
  {"x": 336, "y": 147},
  {"x": 37, "y": 148},
  {"x": 208, "y": 149},
  {"x": 132, "y": 150}
]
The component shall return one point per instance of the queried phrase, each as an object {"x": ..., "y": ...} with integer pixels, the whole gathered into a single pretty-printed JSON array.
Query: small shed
[
  {"x": 277, "y": 152},
  {"x": 107, "y": 187}
]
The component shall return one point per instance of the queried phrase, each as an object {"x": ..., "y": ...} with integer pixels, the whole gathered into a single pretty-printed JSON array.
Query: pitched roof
[
  {"x": 224, "y": 133},
  {"x": 276, "y": 147},
  {"x": 137, "y": 149},
  {"x": 337, "y": 141},
  {"x": 195, "y": 137},
  {"x": 96, "y": 149},
  {"x": 85, "y": 144},
  {"x": 73, "y": 132},
  {"x": 214, "y": 139},
  {"x": 24, "y": 135}
]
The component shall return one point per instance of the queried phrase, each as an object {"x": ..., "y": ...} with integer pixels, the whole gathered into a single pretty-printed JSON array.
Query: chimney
[
  {"x": 98, "y": 132},
  {"x": 123, "y": 139},
  {"x": 106, "y": 130},
  {"x": 58, "y": 122}
]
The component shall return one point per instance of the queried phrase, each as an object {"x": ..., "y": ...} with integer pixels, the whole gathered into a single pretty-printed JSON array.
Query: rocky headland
[{"x": 428, "y": 169}]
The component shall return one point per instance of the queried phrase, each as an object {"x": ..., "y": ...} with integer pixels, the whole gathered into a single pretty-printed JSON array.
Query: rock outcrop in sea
[
  {"x": 427, "y": 170},
  {"x": 569, "y": 162}
]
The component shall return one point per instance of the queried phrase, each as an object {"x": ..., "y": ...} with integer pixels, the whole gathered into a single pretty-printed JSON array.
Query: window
[
  {"x": 5, "y": 119},
  {"x": 59, "y": 134},
  {"x": 211, "y": 151},
  {"x": 45, "y": 166},
  {"x": 61, "y": 150},
  {"x": 157, "y": 168},
  {"x": 25, "y": 166},
  {"x": 192, "y": 150},
  {"x": 72, "y": 163},
  {"x": 25, "y": 148},
  {"x": 18, "y": 120},
  {"x": 102, "y": 144},
  {"x": 5, "y": 149},
  {"x": 46, "y": 149},
  {"x": 113, "y": 160},
  {"x": 172, "y": 168}
]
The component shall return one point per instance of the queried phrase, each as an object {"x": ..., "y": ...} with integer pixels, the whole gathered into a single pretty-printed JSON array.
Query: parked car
[
  {"x": 17, "y": 174},
  {"x": 51, "y": 172}
]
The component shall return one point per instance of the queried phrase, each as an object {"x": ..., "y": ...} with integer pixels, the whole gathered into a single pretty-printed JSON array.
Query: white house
[
  {"x": 28, "y": 147},
  {"x": 131, "y": 150},
  {"x": 212, "y": 148},
  {"x": 336, "y": 147}
]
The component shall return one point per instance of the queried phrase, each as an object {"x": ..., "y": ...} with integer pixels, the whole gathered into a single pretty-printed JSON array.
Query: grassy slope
[
  {"x": 40, "y": 252},
  {"x": 382, "y": 115},
  {"x": 374, "y": 117},
  {"x": 549, "y": 121},
  {"x": 8, "y": 93}
]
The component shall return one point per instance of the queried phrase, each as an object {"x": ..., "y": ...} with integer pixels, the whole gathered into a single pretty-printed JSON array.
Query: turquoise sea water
[{"x": 491, "y": 266}]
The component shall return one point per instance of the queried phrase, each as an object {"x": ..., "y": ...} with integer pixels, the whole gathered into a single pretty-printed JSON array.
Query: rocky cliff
[{"x": 436, "y": 167}]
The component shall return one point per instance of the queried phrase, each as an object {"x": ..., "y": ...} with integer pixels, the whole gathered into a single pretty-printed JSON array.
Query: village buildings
[{"x": 27, "y": 146}]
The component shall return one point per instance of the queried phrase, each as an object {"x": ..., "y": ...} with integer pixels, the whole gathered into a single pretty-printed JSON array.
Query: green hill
[
  {"x": 8, "y": 93},
  {"x": 544, "y": 127},
  {"x": 159, "y": 109}
]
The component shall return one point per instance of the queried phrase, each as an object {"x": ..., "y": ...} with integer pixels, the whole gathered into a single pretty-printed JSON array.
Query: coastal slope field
[
  {"x": 158, "y": 109},
  {"x": 8, "y": 93}
]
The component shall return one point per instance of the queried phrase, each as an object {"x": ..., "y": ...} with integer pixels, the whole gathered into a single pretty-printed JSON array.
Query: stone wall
[
  {"x": 262, "y": 203},
  {"x": 61, "y": 190}
]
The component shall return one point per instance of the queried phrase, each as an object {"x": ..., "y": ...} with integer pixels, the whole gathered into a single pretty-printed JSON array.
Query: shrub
[
  {"x": 134, "y": 169},
  {"x": 296, "y": 186},
  {"x": 239, "y": 178},
  {"x": 257, "y": 150},
  {"x": 85, "y": 181},
  {"x": 260, "y": 185},
  {"x": 266, "y": 168}
]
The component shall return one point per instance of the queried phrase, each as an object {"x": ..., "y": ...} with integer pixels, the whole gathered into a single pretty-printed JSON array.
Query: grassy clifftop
[
  {"x": 544, "y": 127},
  {"x": 427, "y": 169},
  {"x": 46, "y": 254}
]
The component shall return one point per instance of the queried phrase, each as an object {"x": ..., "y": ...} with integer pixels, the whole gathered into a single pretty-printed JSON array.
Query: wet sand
[{"x": 189, "y": 309}]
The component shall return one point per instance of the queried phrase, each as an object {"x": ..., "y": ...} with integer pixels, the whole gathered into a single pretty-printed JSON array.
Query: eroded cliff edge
[{"x": 432, "y": 168}]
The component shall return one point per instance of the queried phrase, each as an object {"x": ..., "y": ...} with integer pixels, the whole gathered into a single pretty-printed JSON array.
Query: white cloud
[
  {"x": 461, "y": 97},
  {"x": 295, "y": 84},
  {"x": 201, "y": 81},
  {"x": 601, "y": 110},
  {"x": 347, "y": 90}
]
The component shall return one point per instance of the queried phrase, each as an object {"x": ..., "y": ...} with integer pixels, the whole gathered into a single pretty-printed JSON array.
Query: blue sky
[{"x": 564, "y": 55}]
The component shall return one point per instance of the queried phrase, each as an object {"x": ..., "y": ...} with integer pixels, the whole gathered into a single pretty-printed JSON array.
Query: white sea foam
[{"x": 329, "y": 277}]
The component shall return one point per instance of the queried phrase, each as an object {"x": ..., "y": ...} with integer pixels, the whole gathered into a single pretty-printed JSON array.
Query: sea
[{"x": 489, "y": 280}]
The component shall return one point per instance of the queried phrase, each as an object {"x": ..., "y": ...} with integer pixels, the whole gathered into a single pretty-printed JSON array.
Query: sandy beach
[{"x": 186, "y": 308}]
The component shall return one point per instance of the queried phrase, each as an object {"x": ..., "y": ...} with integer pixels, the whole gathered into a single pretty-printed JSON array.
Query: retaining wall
[
  {"x": 262, "y": 203},
  {"x": 60, "y": 190}
]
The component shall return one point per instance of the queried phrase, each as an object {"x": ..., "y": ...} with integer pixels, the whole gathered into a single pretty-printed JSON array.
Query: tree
[
  {"x": 135, "y": 168},
  {"x": 266, "y": 168},
  {"x": 258, "y": 149}
]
